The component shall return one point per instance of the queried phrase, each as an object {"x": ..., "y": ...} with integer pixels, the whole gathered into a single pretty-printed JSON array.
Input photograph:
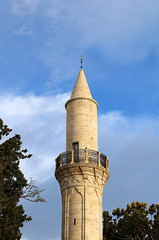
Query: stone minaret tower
[{"x": 81, "y": 171}]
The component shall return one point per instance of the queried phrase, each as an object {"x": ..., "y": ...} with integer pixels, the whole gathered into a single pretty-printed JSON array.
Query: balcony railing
[{"x": 82, "y": 156}]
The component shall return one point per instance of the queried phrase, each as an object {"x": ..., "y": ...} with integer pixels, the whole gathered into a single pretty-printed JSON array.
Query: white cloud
[
  {"x": 132, "y": 147},
  {"x": 23, "y": 30},
  {"x": 41, "y": 123},
  {"x": 24, "y": 7},
  {"x": 121, "y": 31},
  {"x": 119, "y": 130},
  {"x": 125, "y": 31}
]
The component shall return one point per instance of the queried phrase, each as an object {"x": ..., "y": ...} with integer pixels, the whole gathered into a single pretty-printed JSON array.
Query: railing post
[
  {"x": 99, "y": 159},
  {"x": 107, "y": 165},
  {"x": 61, "y": 159},
  {"x": 86, "y": 155},
  {"x": 72, "y": 159}
]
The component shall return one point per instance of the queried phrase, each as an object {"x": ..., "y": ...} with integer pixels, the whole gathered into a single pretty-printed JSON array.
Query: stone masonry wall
[
  {"x": 81, "y": 189},
  {"x": 81, "y": 123}
]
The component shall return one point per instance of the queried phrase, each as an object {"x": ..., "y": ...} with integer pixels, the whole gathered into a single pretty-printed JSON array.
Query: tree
[
  {"x": 13, "y": 185},
  {"x": 136, "y": 222}
]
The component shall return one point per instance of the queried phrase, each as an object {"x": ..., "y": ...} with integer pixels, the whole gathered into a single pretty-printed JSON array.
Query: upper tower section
[{"x": 81, "y": 119}]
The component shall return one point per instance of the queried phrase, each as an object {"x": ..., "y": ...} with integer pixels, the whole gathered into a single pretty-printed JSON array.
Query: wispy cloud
[
  {"x": 35, "y": 119},
  {"x": 125, "y": 31},
  {"x": 132, "y": 146},
  {"x": 23, "y": 30},
  {"x": 41, "y": 123},
  {"x": 24, "y": 7}
]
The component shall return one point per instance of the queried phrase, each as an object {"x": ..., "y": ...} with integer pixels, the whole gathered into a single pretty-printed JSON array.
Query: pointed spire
[{"x": 81, "y": 88}]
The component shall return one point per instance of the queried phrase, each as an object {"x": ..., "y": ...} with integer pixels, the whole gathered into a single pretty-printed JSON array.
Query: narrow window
[
  {"x": 74, "y": 221},
  {"x": 75, "y": 147}
]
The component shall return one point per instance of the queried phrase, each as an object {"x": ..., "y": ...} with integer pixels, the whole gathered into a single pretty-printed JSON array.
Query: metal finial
[{"x": 81, "y": 60}]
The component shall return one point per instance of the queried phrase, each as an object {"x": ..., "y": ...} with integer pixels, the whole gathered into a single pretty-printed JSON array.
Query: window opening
[
  {"x": 74, "y": 221},
  {"x": 75, "y": 147}
]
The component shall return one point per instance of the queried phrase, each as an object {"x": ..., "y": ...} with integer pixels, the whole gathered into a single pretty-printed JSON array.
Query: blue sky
[{"x": 40, "y": 45}]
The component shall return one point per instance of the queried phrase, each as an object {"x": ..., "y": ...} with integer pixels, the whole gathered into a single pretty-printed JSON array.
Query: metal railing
[{"x": 82, "y": 156}]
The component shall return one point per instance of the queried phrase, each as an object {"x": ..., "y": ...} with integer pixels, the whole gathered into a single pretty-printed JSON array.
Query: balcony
[{"x": 82, "y": 156}]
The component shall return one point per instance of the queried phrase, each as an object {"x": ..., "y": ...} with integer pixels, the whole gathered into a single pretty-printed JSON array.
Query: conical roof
[{"x": 81, "y": 88}]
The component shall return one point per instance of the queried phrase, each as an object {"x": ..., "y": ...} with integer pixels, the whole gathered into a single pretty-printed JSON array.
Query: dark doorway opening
[{"x": 75, "y": 146}]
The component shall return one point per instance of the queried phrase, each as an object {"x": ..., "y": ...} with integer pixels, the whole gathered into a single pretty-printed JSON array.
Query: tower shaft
[
  {"x": 82, "y": 187},
  {"x": 81, "y": 171},
  {"x": 81, "y": 125}
]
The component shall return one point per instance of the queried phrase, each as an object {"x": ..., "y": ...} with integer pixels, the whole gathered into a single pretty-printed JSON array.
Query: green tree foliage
[
  {"x": 13, "y": 185},
  {"x": 136, "y": 222}
]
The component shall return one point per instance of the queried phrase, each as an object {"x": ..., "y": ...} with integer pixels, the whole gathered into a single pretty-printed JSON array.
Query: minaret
[{"x": 81, "y": 171}]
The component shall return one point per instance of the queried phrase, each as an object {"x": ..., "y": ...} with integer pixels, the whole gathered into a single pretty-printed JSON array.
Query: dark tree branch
[{"x": 32, "y": 193}]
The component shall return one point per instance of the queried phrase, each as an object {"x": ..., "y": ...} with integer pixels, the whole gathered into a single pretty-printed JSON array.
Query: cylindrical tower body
[
  {"x": 81, "y": 125},
  {"x": 81, "y": 171}
]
